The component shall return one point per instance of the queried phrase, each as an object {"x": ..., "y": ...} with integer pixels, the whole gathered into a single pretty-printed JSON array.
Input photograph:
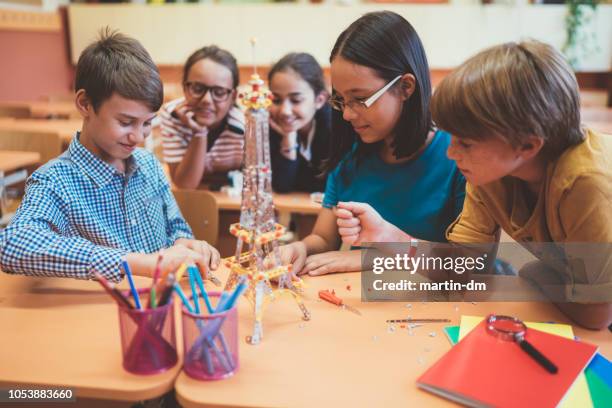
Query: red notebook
[{"x": 483, "y": 370}]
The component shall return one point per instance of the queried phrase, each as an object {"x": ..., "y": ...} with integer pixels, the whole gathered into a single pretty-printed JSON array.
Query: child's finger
[
  {"x": 322, "y": 270},
  {"x": 349, "y": 231},
  {"x": 343, "y": 213},
  {"x": 354, "y": 207},
  {"x": 215, "y": 258},
  {"x": 348, "y": 222}
]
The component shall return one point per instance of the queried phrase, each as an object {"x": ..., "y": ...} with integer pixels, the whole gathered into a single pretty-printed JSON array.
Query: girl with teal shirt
[{"x": 385, "y": 150}]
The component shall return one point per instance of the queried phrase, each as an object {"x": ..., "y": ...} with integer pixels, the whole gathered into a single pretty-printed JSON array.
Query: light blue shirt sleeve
[{"x": 33, "y": 245}]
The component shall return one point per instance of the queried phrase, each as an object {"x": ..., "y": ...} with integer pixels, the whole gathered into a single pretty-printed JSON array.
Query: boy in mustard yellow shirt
[{"x": 532, "y": 170}]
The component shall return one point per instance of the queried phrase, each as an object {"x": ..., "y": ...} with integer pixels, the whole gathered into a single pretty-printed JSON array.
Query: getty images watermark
[{"x": 576, "y": 272}]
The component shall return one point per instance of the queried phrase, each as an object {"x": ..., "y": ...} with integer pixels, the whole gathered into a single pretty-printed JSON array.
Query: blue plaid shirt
[{"x": 81, "y": 215}]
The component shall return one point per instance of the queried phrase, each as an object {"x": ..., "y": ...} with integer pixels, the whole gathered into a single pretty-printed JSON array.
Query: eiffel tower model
[{"x": 257, "y": 256}]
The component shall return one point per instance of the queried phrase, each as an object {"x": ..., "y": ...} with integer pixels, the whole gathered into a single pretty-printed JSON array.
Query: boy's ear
[
  {"x": 321, "y": 98},
  {"x": 531, "y": 147},
  {"x": 408, "y": 85},
  {"x": 83, "y": 104}
]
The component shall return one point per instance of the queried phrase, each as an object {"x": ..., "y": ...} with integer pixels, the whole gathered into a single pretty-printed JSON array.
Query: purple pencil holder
[
  {"x": 210, "y": 343},
  {"x": 148, "y": 338}
]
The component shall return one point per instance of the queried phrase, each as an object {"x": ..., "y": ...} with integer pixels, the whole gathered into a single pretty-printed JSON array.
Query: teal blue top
[{"x": 422, "y": 196}]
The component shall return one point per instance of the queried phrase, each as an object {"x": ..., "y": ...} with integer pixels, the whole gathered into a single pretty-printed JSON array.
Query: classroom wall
[
  {"x": 35, "y": 60},
  {"x": 450, "y": 32}
]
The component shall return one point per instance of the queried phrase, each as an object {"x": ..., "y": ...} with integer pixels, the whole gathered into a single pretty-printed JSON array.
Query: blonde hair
[{"x": 512, "y": 91}]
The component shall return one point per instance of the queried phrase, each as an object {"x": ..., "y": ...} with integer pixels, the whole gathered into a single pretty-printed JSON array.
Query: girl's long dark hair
[{"x": 385, "y": 42}]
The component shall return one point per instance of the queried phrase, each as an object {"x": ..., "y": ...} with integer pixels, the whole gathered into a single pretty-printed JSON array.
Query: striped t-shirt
[{"x": 176, "y": 136}]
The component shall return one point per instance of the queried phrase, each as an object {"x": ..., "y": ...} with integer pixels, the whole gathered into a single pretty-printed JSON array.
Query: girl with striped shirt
[{"x": 203, "y": 133}]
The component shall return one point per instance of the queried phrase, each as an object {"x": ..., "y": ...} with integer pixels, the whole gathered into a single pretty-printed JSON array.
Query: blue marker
[
  {"x": 196, "y": 298},
  {"x": 198, "y": 278},
  {"x": 181, "y": 294},
  {"x": 240, "y": 289},
  {"x": 128, "y": 273}
]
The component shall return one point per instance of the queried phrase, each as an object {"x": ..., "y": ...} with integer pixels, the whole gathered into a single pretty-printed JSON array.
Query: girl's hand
[
  {"x": 294, "y": 253},
  {"x": 289, "y": 141},
  {"x": 184, "y": 113},
  {"x": 227, "y": 152},
  {"x": 332, "y": 262}
]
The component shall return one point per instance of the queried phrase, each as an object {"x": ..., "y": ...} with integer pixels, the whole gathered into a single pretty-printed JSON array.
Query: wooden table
[
  {"x": 15, "y": 160},
  {"x": 65, "y": 333},
  {"x": 341, "y": 359},
  {"x": 45, "y": 109},
  {"x": 66, "y": 128},
  {"x": 299, "y": 203}
]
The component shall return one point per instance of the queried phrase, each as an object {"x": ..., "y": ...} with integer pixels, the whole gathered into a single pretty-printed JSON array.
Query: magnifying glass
[{"x": 512, "y": 329}]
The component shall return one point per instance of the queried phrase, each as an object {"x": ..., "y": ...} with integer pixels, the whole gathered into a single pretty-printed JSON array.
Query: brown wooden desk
[
  {"x": 299, "y": 203},
  {"x": 66, "y": 128},
  {"x": 65, "y": 333},
  {"x": 344, "y": 360},
  {"x": 15, "y": 160},
  {"x": 45, "y": 109}
]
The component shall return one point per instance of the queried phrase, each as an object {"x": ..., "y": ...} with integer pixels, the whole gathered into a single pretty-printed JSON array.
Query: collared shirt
[
  {"x": 573, "y": 206},
  {"x": 81, "y": 215}
]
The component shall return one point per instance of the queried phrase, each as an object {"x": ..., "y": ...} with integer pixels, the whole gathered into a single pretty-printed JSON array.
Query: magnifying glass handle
[{"x": 537, "y": 356}]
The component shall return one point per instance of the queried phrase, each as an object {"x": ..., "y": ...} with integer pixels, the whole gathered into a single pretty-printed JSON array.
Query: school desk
[
  {"x": 66, "y": 128},
  {"x": 283, "y": 202},
  {"x": 45, "y": 109},
  {"x": 65, "y": 333},
  {"x": 339, "y": 359}
]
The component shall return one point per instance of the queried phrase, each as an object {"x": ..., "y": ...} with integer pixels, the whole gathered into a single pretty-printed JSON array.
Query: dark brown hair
[
  {"x": 216, "y": 54},
  {"x": 117, "y": 63},
  {"x": 385, "y": 42},
  {"x": 303, "y": 64},
  {"x": 512, "y": 91}
]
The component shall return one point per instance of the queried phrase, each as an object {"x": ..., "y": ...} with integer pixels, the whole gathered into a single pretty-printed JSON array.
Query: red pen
[{"x": 113, "y": 291}]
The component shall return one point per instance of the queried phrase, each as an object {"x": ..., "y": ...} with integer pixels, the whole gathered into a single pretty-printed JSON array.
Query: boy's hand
[
  {"x": 294, "y": 253},
  {"x": 144, "y": 264},
  {"x": 210, "y": 255},
  {"x": 332, "y": 262}
]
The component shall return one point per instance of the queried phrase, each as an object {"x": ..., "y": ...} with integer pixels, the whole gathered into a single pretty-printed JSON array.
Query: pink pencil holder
[
  {"x": 210, "y": 343},
  {"x": 148, "y": 338}
]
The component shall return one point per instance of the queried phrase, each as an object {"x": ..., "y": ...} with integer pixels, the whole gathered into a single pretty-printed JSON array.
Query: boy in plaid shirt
[{"x": 104, "y": 200}]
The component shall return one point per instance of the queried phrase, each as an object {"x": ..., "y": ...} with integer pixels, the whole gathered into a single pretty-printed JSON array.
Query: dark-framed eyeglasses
[{"x": 197, "y": 90}]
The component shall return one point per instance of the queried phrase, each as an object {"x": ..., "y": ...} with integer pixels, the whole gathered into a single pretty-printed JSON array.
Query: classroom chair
[
  {"x": 48, "y": 144},
  {"x": 200, "y": 210}
]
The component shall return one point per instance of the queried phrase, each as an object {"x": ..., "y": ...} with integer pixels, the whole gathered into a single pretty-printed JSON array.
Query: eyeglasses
[
  {"x": 339, "y": 104},
  {"x": 197, "y": 90}
]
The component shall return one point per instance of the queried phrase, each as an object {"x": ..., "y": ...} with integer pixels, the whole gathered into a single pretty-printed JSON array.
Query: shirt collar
[{"x": 100, "y": 172}]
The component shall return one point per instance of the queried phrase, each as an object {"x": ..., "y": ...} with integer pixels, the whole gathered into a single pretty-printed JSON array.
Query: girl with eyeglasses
[
  {"x": 203, "y": 133},
  {"x": 385, "y": 149},
  {"x": 300, "y": 123}
]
